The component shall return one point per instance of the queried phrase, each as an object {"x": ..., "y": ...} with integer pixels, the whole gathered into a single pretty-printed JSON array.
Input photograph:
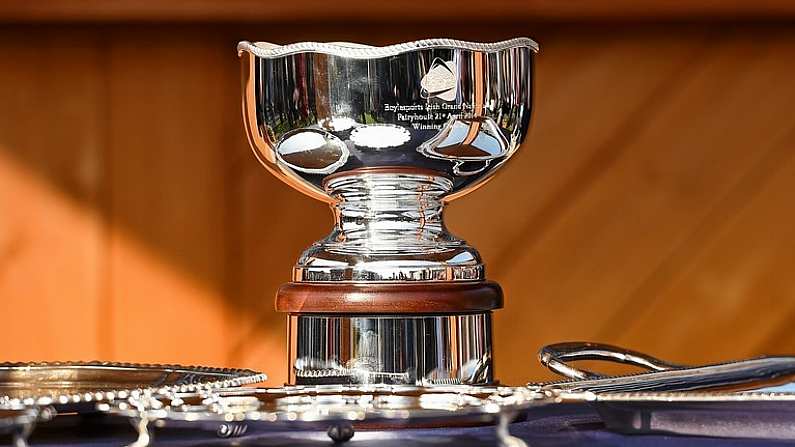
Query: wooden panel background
[
  {"x": 651, "y": 205},
  {"x": 401, "y": 11}
]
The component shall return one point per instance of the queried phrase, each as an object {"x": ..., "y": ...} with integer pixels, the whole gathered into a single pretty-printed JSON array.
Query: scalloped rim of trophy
[{"x": 356, "y": 50}]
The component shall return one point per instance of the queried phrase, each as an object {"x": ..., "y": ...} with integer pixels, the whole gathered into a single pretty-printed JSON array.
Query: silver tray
[
  {"x": 35, "y": 392},
  {"x": 761, "y": 415},
  {"x": 336, "y": 409},
  {"x": 752, "y": 398},
  {"x": 25, "y": 385}
]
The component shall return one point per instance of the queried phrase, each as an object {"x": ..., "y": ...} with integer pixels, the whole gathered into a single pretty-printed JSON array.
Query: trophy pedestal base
[
  {"x": 399, "y": 334},
  {"x": 390, "y": 349}
]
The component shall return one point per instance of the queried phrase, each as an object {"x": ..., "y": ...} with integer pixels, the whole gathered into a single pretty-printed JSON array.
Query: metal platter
[
  {"x": 64, "y": 383},
  {"x": 760, "y": 415},
  {"x": 36, "y": 392},
  {"x": 753, "y": 398},
  {"x": 335, "y": 409}
]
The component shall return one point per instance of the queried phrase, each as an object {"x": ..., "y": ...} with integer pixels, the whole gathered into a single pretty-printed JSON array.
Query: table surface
[{"x": 572, "y": 425}]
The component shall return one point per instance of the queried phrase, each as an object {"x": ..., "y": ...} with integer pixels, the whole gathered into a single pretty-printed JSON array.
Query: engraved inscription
[{"x": 429, "y": 116}]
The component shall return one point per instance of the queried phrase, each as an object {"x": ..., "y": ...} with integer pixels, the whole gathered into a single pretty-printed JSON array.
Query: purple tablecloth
[{"x": 573, "y": 425}]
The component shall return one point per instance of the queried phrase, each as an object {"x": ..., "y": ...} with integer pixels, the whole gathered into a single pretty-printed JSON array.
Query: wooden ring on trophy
[{"x": 384, "y": 298}]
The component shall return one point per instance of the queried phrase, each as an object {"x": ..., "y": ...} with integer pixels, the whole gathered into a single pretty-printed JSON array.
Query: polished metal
[
  {"x": 24, "y": 385},
  {"x": 19, "y": 424},
  {"x": 556, "y": 355},
  {"x": 333, "y": 407},
  {"x": 387, "y": 136},
  {"x": 389, "y": 227},
  {"x": 750, "y": 415},
  {"x": 753, "y": 398},
  {"x": 32, "y": 393},
  {"x": 391, "y": 349},
  {"x": 663, "y": 376}
]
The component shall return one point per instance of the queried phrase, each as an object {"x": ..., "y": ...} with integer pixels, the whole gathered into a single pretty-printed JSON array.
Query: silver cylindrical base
[{"x": 390, "y": 349}]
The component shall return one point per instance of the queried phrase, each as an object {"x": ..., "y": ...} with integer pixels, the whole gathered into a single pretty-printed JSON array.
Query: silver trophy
[{"x": 387, "y": 136}]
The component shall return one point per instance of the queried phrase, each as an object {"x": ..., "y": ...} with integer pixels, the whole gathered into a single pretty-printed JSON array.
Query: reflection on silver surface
[
  {"x": 328, "y": 406},
  {"x": 312, "y": 151},
  {"x": 750, "y": 398},
  {"x": 19, "y": 424},
  {"x": 400, "y": 349},
  {"x": 437, "y": 113},
  {"x": 468, "y": 140},
  {"x": 758, "y": 374},
  {"x": 476, "y": 141},
  {"x": 379, "y": 136},
  {"x": 717, "y": 415},
  {"x": 35, "y": 392},
  {"x": 28, "y": 385},
  {"x": 557, "y": 356},
  {"x": 388, "y": 227}
]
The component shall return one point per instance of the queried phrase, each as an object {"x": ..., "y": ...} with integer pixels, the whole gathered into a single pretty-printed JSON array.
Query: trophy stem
[
  {"x": 389, "y": 211},
  {"x": 388, "y": 225}
]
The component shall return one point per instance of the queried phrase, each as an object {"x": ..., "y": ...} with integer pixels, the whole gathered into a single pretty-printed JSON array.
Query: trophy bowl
[{"x": 386, "y": 136}]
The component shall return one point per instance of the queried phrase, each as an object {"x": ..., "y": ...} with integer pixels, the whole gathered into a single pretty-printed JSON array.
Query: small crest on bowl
[{"x": 441, "y": 81}]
